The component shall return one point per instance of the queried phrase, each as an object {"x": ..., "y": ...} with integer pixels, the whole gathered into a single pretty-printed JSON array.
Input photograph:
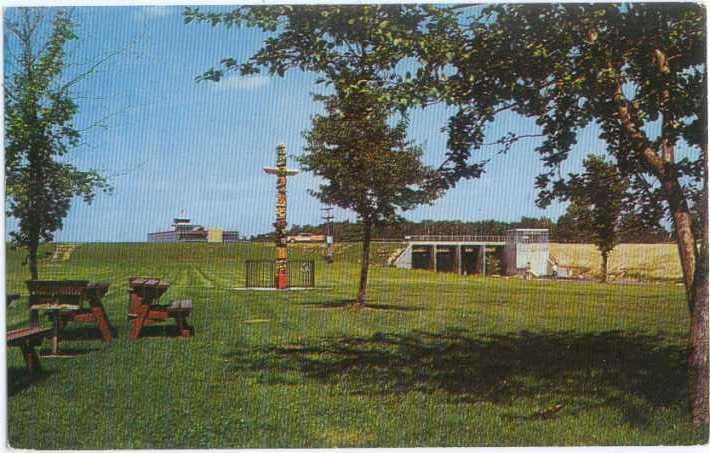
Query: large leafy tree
[
  {"x": 368, "y": 165},
  {"x": 359, "y": 54},
  {"x": 39, "y": 128},
  {"x": 635, "y": 71}
]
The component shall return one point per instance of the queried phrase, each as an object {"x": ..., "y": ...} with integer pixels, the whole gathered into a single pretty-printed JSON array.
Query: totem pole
[{"x": 281, "y": 173}]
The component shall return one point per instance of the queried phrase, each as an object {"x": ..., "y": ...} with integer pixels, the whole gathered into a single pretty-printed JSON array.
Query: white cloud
[
  {"x": 153, "y": 12},
  {"x": 242, "y": 82}
]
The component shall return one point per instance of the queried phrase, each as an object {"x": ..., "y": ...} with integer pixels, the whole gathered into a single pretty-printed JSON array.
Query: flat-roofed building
[
  {"x": 183, "y": 230},
  {"x": 520, "y": 251}
]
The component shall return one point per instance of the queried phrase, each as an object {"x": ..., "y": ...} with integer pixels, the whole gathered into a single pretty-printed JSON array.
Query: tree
[
  {"x": 367, "y": 163},
  {"x": 637, "y": 71},
  {"x": 39, "y": 129},
  {"x": 597, "y": 199},
  {"x": 569, "y": 228}
]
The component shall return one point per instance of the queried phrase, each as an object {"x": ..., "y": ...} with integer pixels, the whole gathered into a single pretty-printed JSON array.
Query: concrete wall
[
  {"x": 404, "y": 261},
  {"x": 533, "y": 255},
  {"x": 517, "y": 257},
  {"x": 648, "y": 260}
]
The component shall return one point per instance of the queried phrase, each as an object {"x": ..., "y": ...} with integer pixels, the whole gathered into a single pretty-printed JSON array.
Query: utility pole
[{"x": 328, "y": 218}]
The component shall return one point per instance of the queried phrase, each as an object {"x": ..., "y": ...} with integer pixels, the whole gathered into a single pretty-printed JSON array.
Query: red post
[{"x": 282, "y": 279}]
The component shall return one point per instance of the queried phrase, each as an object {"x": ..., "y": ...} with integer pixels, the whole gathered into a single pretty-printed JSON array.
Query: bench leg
[
  {"x": 138, "y": 322},
  {"x": 34, "y": 318},
  {"x": 55, "y": 331},
  {"x": 180, "y": 319},
  {"x": 31, "y": 357},
  {"x": 102, "y": 322}
]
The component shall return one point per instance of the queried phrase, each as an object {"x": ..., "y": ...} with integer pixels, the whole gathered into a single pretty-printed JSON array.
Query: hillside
[{"x": 635, "y": 261}]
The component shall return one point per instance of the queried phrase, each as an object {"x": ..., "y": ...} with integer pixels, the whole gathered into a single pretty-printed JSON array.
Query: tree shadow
[
  {"x": 635, "y": 373},
  {"x": 341, "y": 303},
  {"x": 163, "y": 330},
  {"x": 350, "y": 303},
  {"x": 18, "y": 379}
]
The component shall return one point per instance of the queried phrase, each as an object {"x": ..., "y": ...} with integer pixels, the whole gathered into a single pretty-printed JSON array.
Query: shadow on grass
[
  {"x": 46, "y": 351},
  {"x": 350, "y": 303},
  {"x": 163, "y": 330},
  {"x": 18, "y": 379},
  {"x": 84, "y": 333},
  {"x": 631, "y": 372}
]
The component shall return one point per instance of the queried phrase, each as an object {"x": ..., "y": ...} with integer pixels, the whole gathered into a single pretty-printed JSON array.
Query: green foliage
[
  {"x": 440, "y": 360},
  {"x": 321, "y": 39},
  {"x": 568, "y": 66},
  {"x": 367, "y": 164},
  {"x": 357, "y": 50},
  {"x": 39, "y": 130},
  {"x": 636, "y": 229},
  {"x": 604, "y": 208},
  {"x": 494, "y": 266},
  {"x": 597, "y": 199}
]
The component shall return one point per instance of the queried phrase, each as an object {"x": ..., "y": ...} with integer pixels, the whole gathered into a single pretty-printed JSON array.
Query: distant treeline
[{"x": 561, "y": 231}]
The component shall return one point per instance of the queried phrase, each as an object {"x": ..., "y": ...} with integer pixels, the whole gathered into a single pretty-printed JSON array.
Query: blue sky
[{"x": 172, "y": 144}]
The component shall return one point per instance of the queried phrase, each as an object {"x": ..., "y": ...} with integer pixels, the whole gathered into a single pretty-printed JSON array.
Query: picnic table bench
[
  {"x": 27, "y": 338},
  {"x": 10, "y": 298},
  {"x": 144, "y": 309},
  {"x": 69, "y": 300}
]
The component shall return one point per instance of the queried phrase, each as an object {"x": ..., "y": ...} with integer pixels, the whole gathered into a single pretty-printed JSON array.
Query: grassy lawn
[{"x": 437, "y": 360}]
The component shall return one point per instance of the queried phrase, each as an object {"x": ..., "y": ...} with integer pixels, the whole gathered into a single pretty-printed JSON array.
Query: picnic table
[
  {"x": 69, "y": 300},
  {"x": 144, "y": 308}
]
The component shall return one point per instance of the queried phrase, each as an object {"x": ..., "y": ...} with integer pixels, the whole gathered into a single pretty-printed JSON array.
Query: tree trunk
[
  {"x": 695, "y": 280},
  {"x": 32, "y": 259},
  {"x": 364, "y": 264},
  {"x": 605, "y": 267},
  {"x": 698, "y": 367},
  {"x": 663, "y": 168},
  {"x": 686, "y": 247}
]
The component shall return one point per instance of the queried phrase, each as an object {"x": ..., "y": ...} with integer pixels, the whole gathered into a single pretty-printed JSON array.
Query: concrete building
[
  {"x": 527, "y": 249},
  {"x": 183, "y": 230},
  {"x": 519, "y": 251}
]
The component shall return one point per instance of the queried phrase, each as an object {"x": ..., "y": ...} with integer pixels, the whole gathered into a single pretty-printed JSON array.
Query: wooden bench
[
  {"x": 26, "y": 339},
  {"x": 144, "y": 309}
]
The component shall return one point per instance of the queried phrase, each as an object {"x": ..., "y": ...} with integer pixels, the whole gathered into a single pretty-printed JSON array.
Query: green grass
[{"x": 437, "y": 360}]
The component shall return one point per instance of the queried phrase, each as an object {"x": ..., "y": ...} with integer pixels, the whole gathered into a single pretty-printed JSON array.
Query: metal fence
[
  {"x": 262, "y": 273},
  {"x": 455, "y": 238},
  {"x": 527, "y": 236}
]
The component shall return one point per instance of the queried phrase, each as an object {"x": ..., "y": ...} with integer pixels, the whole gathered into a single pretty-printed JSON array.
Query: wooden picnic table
[
  {"x": 69, "y": 300},
  {"x": 144, "y": 308}
]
